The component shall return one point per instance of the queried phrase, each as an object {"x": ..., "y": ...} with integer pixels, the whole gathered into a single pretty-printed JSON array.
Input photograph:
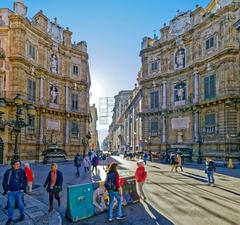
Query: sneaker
[
  {"x": 22, "y": 217},
  {"x": 110, "y": 219},
  {"x": 9, "y": 222},
  {"x": 121, "y": 218},
  {"x": 212, "y": 185},
  {"x": 50, "y": 209}
]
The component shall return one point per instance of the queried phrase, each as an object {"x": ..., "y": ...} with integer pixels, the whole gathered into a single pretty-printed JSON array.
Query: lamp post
[{"x": 19, "y": 121}]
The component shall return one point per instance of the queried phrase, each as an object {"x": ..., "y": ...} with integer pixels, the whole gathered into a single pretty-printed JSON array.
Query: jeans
[
  {"x": 210, "y": 177},
  {"x": 112, "y": 195},
  {"x": 140, "y": 189},
  {"x": 12, "y": 197},
  {"x": 77, "y": 173}
]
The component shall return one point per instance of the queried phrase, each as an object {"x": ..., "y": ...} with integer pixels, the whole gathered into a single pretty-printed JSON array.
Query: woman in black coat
[{"x": 54, "y": 183}]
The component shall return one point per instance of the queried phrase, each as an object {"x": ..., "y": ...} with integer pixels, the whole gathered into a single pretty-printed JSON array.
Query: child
[
  {"x": 140, "y": 176},
  {"x": 30, "y": 177}
]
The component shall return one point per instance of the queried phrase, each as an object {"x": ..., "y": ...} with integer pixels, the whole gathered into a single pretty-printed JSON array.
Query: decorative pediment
[
  {"x": 55, "y": 31},
  {"x": 180, "y": 24}
]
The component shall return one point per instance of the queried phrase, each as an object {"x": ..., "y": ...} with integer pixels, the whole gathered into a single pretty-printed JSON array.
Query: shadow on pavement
[{"x": 136, "y": 214}]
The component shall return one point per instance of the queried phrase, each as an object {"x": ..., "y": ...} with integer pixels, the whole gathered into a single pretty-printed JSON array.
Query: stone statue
[
  {"x": 53, "y": 138},
  {"x": 180, "y": 93},
  {"x": 179, "y": 137},
  {"x": 180, "y": 59},
  {"x": 54, "y": 63},
  {"x": 54, "y": 95}
]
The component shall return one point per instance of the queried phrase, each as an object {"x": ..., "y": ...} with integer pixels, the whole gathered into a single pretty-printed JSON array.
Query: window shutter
[
  {"x": 77, "y": 102},
  {"x": 34, "y": 91},
  {"x": 206, "y": 87},
  {"x": 29, "y": 90},
  {"x": 212, "y": 86},
  {"x": 152, "y": 100},
  {"x": 156, "y": 100}
]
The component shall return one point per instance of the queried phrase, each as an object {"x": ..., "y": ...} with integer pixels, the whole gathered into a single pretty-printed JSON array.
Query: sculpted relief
[
  {"x": 180, "y": 58},
  {"x": 55, "y": 31},
  {"x": 180, "y": 24}
]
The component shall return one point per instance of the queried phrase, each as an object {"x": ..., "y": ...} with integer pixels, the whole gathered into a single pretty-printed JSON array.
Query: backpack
[
  {"x": 110, "y": 183},
  {"x": 78, "y": 161},
  {"x": 95, "y": 161}
]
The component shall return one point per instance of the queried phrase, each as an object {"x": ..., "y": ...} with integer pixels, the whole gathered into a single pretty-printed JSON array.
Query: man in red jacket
[{"x": 140, "y": 176}]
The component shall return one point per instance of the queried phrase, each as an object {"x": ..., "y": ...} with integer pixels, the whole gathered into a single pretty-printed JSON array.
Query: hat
[{"x": 140, "y": 161}]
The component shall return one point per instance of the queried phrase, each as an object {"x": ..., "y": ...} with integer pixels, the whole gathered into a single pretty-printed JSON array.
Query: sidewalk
[{"x": 36, "y": 213}]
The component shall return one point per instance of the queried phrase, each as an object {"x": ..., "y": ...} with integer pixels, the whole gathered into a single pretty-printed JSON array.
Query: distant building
[
  {"x": 116, "y": 136},
  {"x": 39, "y": 61}
]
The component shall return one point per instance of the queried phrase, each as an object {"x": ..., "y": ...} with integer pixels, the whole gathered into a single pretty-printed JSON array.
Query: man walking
[
  {"x": 77, "y": 163},
  {"x": 14, "y": 185}
]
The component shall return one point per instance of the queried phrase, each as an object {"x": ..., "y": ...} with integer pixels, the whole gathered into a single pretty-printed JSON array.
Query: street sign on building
[{"x": 106, "y": 105}]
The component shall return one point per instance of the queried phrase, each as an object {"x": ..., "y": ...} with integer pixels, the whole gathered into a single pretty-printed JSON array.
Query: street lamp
[{"x": 19, "y": 121}]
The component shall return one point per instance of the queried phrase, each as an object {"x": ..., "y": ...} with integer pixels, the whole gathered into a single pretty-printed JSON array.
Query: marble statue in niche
[
  {"x": 53, "y": 94},
  {"x": 180, "y": 59},
  {"x": 54, "y": 63},
  {"x": 179, "y": 136},
  {"x": 180, "y": 91}
]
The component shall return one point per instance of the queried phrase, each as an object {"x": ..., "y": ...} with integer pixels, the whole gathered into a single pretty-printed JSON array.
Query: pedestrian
[
  {"x": 86, "y": 163},
  {"x": 53, "y": 184},
  {"x": 145, "y": 157},
  {"x": 112, "y": 184},
  {"x": 150, "y": 155},
  {"x": 94, "y": 162},
  {"x": 173, "y": 162},
  {"x": 209, "y": 170},
  {"x": 77, "y": 163},
  {"x": 14, "y": 185},
  {"x": 30, "y": 177},
  {"x": 179, "y": 162},
  {"x": 140, "y": 176}
]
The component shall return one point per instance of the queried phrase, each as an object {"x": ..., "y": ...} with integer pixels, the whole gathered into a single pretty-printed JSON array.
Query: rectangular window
[
  {"x": 210, "y": 87},
  {"x": 210, "y": 123},
  {"x": 74, "y": 102},
  {"x": 154, "y": 66},
  {"x": 154, "y": 100},
  {"x": 31, "y": 90},
  {"x": 31, "y": 51},
  {"x": 154, "y": 128},
  {"x": 75, "y": 70},
  {"x": 74, "y": 129},
  {"x": 31, "y": 122},
  {"x": 209, "y": 43}
]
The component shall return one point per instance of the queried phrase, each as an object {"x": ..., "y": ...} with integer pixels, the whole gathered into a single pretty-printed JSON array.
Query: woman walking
[
  {"x": 112, "y": 185},
  {"x": 86, "y": 164},
  {"x": 179, "y": 162},
  {"x": 54, "y": 185}
]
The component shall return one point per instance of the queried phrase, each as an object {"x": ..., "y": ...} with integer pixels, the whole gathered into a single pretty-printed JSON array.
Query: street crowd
[{"x": 18, "y": 181}]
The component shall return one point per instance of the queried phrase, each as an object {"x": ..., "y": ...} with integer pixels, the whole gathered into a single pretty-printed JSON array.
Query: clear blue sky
[{"x": 113, "y": 30}]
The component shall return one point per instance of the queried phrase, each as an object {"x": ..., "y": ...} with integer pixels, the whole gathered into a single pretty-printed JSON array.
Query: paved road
[
  {"x": 172, "y": 198},
  {"x": 185, "y": 198}
]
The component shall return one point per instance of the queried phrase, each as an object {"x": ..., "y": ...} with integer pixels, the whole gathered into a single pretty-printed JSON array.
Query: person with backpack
[
  {"x": 95, "y": 162},
  {"x": 77, "y": 163},
  {"x": 145, "y": 157},
  {"x": 112, "y": 185},
  {"x": 140, "y": 176},
  {"x": 209, "y": 170},
  {"x": 14, "y": 185}
]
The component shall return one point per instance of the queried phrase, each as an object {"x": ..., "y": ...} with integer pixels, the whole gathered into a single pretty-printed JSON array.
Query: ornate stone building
[
  {"x": 39, "y": 61},
  {"x": 93, "y": 142},
  {"x": 190, "y": 82}
]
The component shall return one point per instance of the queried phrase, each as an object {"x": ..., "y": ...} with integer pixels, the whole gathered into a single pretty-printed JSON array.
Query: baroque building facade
[
  {"x": 41, "y": 63},
  {"x": 93, "y": 142},
  {"x": 190, "y": 83}
]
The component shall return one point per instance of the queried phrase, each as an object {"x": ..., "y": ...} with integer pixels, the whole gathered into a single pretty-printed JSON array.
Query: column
[
  {"x": 66, "y": 131},
  {"x": 196, "y": 86},
  {"x": 164, "y": 94},
  {"x": 41, "y": 94},
  {"x": 164, "y": 131},
  {"x": 67, "y": 97},
  {"x": 196, "y": 126},
  {"x": 41, "y": 122}
]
